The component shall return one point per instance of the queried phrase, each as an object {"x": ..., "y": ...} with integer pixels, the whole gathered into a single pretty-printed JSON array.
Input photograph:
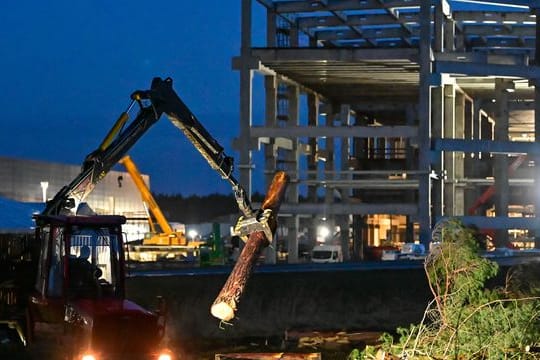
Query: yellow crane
[{"x": 167, "y": 236}]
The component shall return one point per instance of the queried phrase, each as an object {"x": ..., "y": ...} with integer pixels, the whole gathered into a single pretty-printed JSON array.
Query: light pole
[{"x": 44, "y": 186}]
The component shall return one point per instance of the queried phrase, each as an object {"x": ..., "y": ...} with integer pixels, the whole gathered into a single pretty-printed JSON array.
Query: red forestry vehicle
[{"x": 78, "y": 300}]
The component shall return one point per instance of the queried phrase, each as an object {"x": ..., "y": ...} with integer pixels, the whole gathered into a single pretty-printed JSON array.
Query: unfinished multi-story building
[{"x": 390, "y": 115}]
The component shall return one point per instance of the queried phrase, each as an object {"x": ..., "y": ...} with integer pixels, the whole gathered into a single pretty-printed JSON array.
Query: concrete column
[
  {"x": 313, "y": 120},
  {"x": 486, "y": 131},
  {"x": 424, "y": 124},
  {"x": 293, "y": 165},
  {"x": 537, "y": 138},
  {"x": 472, "y": 117},
  {"x": 449, "y": 157},
  {"x": 359, "y": 225},
  {"x": 470, "y": 157},
  {"x": 343, "y": 221},
  {"x": 346, "y": 143},
  {"x": 410, "y": 158},
  {"x": 437, "y": 130},
  {"x": 246, "y": 26},
  {"x": 329, "y": 168},
  {"x": 293, "y": 224},
  {"x": 536, "y": 83},
  {"x": 459, "y": 40},
  {"x": 329, "y": 165},
  {"x": 459, "y": 160},
  {"x": 478, "y": 127},
  {"x": 313, "y": 104},
  {"x": 482, "y": 168},
  {"x": 449, "y": 35},
  {"x": 270, "y": 28},
  {"x": 501, "y": 160},
  {"x": 245, "y": 166},
  {"x": 293, "y": 36},
  {"x": 439, "y": 28},
  {"x": 359, "y": 236},
  {"x": 476, "y": 122},
  {"x": 270, "y": 87}
]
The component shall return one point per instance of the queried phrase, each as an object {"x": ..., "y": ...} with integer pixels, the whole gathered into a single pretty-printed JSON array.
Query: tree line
[{"x": 194, "y": 209}]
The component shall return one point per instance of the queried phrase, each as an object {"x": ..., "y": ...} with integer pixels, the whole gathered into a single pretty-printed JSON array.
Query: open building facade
[{"x": 392, "y": 115}]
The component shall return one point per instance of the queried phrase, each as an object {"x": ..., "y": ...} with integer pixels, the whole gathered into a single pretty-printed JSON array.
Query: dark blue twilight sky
[{"x": 68, "y": 68}]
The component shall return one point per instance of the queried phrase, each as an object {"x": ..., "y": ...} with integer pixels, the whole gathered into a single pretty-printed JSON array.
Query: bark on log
[{"x": 226, "y": 303}]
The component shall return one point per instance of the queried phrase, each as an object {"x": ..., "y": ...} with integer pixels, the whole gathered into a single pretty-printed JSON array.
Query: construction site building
[{"x": 391, "y": 115}]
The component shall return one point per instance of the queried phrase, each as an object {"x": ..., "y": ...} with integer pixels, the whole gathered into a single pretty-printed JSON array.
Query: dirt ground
[
  {"x": 329, "y": 344},
  {"x": 208, "y": 351}
]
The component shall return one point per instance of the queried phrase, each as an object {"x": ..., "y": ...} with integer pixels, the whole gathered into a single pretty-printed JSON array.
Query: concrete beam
[
  {"x": 387, "y": 184},
  {"x": 351, "y": 20},
  {"x": 488, "y": 182},
  {"x": 481, "y": 69},
  {"x": 501, "y": 147},
  {"x": 496, "y": 16},
  {"x": 512, "y": 106},
  {"x": 338, "y": 131},
  {"x": 334, "y": 54},
  {"x": 482, "y": 58},
  {"x": 514, "y": 3},
  {"x": 349, "y": 208},
  {"x": 330, "y": 35},
  {"x": 498, "y": 222},
  {"x": 309, "y": 6},
  {"x": 382, "y": 106},
  {"x": 499, "y": 29}
]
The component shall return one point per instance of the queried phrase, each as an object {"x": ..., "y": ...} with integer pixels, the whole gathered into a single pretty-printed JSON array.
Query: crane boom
[
  {"x": 146, "y": 195},
  {"x": 161, "y": 98},
  {"x": 167, "y": 235}
]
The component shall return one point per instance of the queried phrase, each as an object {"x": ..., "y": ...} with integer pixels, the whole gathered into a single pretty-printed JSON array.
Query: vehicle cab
[
  {"x": 70, "y": 245},
  {"x": 79, "y": 296}
]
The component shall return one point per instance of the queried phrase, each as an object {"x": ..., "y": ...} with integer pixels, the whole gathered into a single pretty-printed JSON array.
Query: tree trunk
[{"x": 226, "y": 302}]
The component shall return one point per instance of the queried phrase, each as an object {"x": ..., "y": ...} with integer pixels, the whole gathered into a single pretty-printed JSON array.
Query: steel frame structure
[{"x": 442, "y": 89}]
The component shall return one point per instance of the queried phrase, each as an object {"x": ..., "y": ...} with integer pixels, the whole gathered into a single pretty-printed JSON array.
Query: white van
[{"x": 327, "y": 254}]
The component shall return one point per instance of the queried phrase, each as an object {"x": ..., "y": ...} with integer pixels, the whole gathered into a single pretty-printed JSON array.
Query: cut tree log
[{"x": 226, "y": 303}]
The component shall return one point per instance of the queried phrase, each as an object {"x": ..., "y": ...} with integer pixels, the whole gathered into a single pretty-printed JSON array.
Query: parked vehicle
[
  {"x": 390, "y": 255},
  {"x": 413, "y": 251},
  {"x": 327, "y": 254},
  {"x": 409, "y": 251}
]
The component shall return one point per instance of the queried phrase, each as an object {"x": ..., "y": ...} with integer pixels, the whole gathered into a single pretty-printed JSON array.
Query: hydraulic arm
[{"x": 161, "y": 98}]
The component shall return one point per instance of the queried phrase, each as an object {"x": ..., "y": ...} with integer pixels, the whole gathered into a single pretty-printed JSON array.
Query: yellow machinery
[{"x": 168, "y": 236}]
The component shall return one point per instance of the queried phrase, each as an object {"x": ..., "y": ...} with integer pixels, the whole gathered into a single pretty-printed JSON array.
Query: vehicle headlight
[{"x": 164, "y": 356}]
